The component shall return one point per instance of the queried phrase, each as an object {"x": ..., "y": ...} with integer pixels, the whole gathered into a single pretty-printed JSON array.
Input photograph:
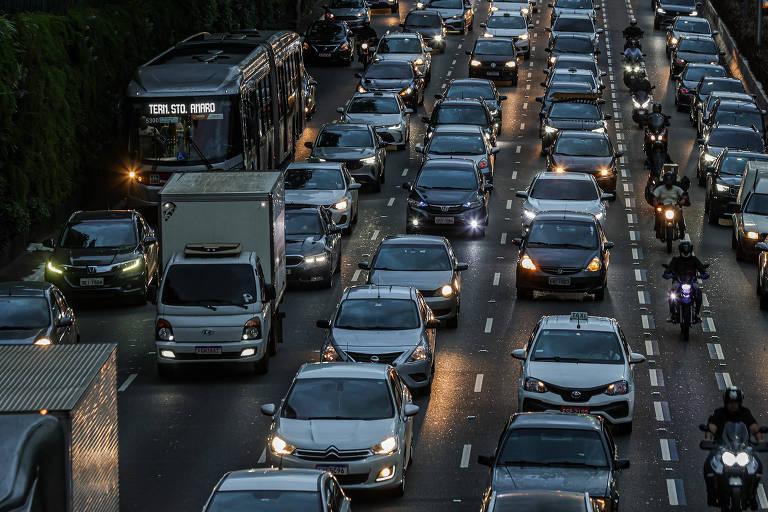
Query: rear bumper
[
  {"x": 186, "y": 353},
  {"x": 585, "y": 282}
]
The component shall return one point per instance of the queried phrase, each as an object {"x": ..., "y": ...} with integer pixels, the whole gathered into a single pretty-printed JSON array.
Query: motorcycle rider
[
  {"x": 686, "y": 267},
  {"x": 632, "y": 32},
  {"x": 640, "y": 83},
  {"x": 633, "y": 53},
  {"x": 655, "y": 119},
  {"x": 367, "y": 39}
]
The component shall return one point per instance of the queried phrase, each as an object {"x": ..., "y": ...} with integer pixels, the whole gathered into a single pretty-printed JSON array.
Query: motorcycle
[
  {"x": 365, "y": 55},
  {"x": 641, "y": 100},
  {"x": 654, "y": 178},
  {"x": 634, "y": 69},
  {"x": 632, "y": 41},
  {"x": 683, "y": 301},
  {"x": 733, "y": 466},
  {"x": 656, "y": 134},
  {"x": 668, "y": 218}
]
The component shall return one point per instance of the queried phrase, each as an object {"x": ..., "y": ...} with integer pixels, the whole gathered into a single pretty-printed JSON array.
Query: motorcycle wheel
[
  {"x": 668, "y": 238},
  {"x": 685, "y": 321}
]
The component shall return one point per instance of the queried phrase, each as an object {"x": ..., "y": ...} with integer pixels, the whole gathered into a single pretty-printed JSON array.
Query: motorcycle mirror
[
  {"x": 653, "y": 87},
  {"x": 619, "y": 154},
  {"x": 503, "y": 97},
  {"x": 425, "y": 119},
  {"x": 707, "y": 445}
]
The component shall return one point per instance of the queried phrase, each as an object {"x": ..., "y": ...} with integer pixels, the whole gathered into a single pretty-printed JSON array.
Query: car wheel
[
  {"x": 524, "y": 293},
  {"x": 262, "y": 366}
]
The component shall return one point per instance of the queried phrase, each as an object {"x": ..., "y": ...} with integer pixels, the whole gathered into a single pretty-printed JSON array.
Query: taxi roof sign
[{"x": 580, "y": 316}]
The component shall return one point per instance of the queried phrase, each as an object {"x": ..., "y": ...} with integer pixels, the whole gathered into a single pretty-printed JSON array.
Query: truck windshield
[
  {"x": 265, "y": 501},
  {"x": 185, "y": 131},
  {"x": 210, "y": 285}
]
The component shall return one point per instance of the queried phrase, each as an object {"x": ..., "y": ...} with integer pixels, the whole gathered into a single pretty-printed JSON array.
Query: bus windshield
[{"x": 186, "y": 131}]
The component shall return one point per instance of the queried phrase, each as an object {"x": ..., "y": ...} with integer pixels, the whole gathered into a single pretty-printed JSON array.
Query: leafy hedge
[
  {"x": 61, "y": 78},
  {"x": 740, "y": 18}
]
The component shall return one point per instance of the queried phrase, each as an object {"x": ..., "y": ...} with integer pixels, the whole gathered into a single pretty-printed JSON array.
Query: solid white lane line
[
  {"x": 762, "y": 501},
  {"x": 356, "y": 275},
  {"x": 509, "y": 204},
  {"x": 375, "y": 234},
  {"x": 488, "y": 325},
  {"x": 503, "y": 239},
  {"x": 449, "y": 73},
  {"x": 127, "y": 382},
  {"x": 263, "y": 456},
  {"x": 522, "y": 126},
  {"x": 496, "y": 278},
  {"x": 514, "y": 175},
  {"x": 478, "y": 382},
  {"x": 465, "y": 456},
  {"x": 391, "y": 201}
]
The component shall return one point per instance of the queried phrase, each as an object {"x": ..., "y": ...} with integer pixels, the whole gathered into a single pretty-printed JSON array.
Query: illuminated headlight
[
  {"x": 673, "y": 296},
  {"x": 437, "y": 38},
  {"x": 752, "y": 235},
  {"x": 660, "y": 10},
  {"x": 168, "y": 354},
  {"x": 419, "y": 5},
  {"x": 599, "y": 216},
  {"x": 368, "y": 161},
  {"x": 385, "y": 474},
  {"x": 360, "y": 88},
  {"x": 605, "y": 171},
  {"x": 534, "y": 385},
  {"x": 487, "y": 34},
  {"x": 248, "y": 352},
  {"x": 477, "y": 203},
  {"x": 694, "y": 13},
  {"x": 446, "y": 290},
  {"x": 457, "y": 17},
  {"x": 330, "y": 354},
  {"x": 280, "y": 447},
  {"x": 722, "y": 188},
  {"x": 344, "y": 47},
  {"x": 417, "y": 202},
  {"x": 364, "y": 46},
  {"x": 494, "y": 112},
  {"x": 599, "y": 130},
  {"x": 594, "y": 265},
  {"x": 420, "y": 353},
  {"x": 54, "y": 268},
  {"x": 474, "y": 63},
  {"x": 669, "y": 214},
  {"x": 558, "y": 168},
  {"x": 673, "y": 41},
  {"x": 620, "y": 387},
  {"x": 131, "y": 266},
  {"x": 523, "y": 37},
  {"x": 550, "y": 130},
  {"x": 494, "y": 8},
  {"x": 709, "y": 158},
  {"x": 317, "y": 259},
  {"x": 636, "y": 69},
  {"x": 524, "y": 11},
  {"x": 528, "y": 214},
  {"x": 341, "y": 205},
  {"x": 647, "y": 102},
  {"x": 419, "y": 61},
  {"x": 42, "y": 342},
  {"x": 510, "y": 64},
  {"x": 635, "y": 103},
  {"x": 386, "y": 447},
  {"x": 552, "y": 60},
  {"x": 405, "y": 92},
  {"x": 321, "y": 159},
  {"x": 527, "y": 263}
]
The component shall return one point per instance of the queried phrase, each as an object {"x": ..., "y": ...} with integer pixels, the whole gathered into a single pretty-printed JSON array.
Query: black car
[
  {"x": 589, "y": 152},
  {"x": 578, "y": 44},
  {"x": 476, "y": 88},
  {"x": 312, "y": 245},
  {"x": 448, "y": 193},
  {"x": 723, "y": 136},
  {"x": 665, "y": 11},
  {"x": 702, "y": 123},
  {"x": 563, "y": 252},
  {"x": 104, "y": 253},
  {"x": 736, "y": 112},
  {"x": 706, "y": 86},
  {"x": 723, "y": 181},
  {"x": 701, "y": 49},
  {"x": 35, "y": 313},
  {"x": 560, "y": 89},
  {"x": 568, "y": 112},
  {"x": 430, "y": 25},
  {"x": 329, "y": 41},
  {"x": 396, "y": 77},
  {"x": 689, "y": 78},
  {"x": 469, "y": 111},
  {"x": 684, "y": 26},
  {"x": 557, "y": 452},
  {"x": 494, "y": 58}
]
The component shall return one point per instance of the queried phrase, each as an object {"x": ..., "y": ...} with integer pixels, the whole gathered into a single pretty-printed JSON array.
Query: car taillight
[
  {"x": 252, "y": 329},
  {"x": 684, "y": 90},
  {"x": 163, "y": 330}
]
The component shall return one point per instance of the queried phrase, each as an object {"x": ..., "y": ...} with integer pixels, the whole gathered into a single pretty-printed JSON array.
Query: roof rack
[{"x": 212, "y": 249}]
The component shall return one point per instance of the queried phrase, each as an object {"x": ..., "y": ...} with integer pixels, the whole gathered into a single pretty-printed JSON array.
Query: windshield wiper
[
  {"x": 202, "y": 156},
  {"x": 541, "y": 244},
  {"x": 225, "y": 302},
  {"x": 523, "y": 463},
  {"x": 17, "y": 328}
]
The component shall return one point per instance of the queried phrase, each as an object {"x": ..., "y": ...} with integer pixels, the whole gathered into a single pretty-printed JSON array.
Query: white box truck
[
  {"x": 750, "y": 222},
  {"x": 222, "y": 241}
]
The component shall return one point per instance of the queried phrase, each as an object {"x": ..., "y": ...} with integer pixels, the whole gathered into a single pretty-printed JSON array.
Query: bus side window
[{"x": 265, "y": 94}]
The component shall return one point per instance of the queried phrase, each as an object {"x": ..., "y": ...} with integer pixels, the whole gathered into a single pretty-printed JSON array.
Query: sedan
[
  {"x": 388, "y": 325},
  {"x": 705, "y": 110},
  {"x": 575, "y": 24},
  {"x": 684, "y": 26},
  {"x": 406, "y": 47},
  {"x": 394, "y": 77},
  {"x": 426, "y": 262},
  {"x": 573, "y": 192},
  {"x": 476, "y": 88},
  {"x": 447, "y": 194},
  {"x": 355, "y": 145},
  {"x": 312, "y": 246},
  {"x": 584, "y": 7},
  {"x": 572, "y": 76},
  {"x": 511, "y": 25},
  {"x": 588, "y": 152},
  {"x": 386, "y": 112},
  {"x": 667, "y": 10},
  {"x": 458, "y": 15},
  {"x": 354, "y": 420},
  {"x": 557, "y": 452},
  {"x": 461, "y": 112},
  {"x": 686, "y": 82},
  {"x": 429, "y": 25},
  {"x": 324, "y": 184},
  {"x": 738, "y": 138},
  {"x": 356, "y": 13},
  {"x": 706, "y": 86},
  {"x": 35, "y": 313},
  {"x": 569, "y": 44},
  {"x": 567, "y": 113},
  {"x": 575, "y": 61},
  {"x": 702, "y": 49},
  {"x": 329, "y": 42},
  {"x": 563, "y": 252},
  {"x": 736, "y": 112},
  {"x": 723, "y": 182},
  {"x": 495, "y": 59},
  {"x": 464, "y": 141}
]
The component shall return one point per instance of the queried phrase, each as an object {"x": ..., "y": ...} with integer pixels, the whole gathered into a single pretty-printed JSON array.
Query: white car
[
  {"x": 354, "y": 420},
  {"x": 327, "y": 184},
  {"x": 556, "y": 191},
  {"x": 513, "y": 25},
  {"x": 559, "y": 7},
  {"x": 578, "y": 364},
  {"x": 386, "y": 112}
]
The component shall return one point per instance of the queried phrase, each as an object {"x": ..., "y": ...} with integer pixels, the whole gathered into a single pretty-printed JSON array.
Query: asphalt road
[{"x": 178, "y": 437}]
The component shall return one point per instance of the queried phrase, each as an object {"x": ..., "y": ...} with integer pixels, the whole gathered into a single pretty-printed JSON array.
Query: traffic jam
[{"x": 431, "y": 255}]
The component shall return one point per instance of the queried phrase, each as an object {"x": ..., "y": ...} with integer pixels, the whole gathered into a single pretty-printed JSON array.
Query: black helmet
[
  {"x": 685, "y": 248},
  {"x": 633, "y": 22},
  {"x": 733, "y": 394},
  {"x": 668, "y": 178},
  {"x": 657, "y": 108}
]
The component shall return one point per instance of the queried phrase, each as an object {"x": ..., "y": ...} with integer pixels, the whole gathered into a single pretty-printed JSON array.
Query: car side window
[{"x": 611, "y": 446}]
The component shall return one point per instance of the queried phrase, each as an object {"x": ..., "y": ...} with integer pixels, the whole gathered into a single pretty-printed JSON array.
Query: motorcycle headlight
[
  {"x": 594, "y": 265},
  {"x": 368, "y": 161},
  {"x": 534, "y": 385},
  {"x": 709, "y": 158},
  {"x": 627, "y": 67},
  {"x": 653, "y": 138},
  {"x": 405, "y": 92},
  {"x": 474, "y": 63},
  {"x": 605, "y": 171},
  {"x": 550, "y": 130},
  {"x": 386, "y": 447},
  {"x": 669, "y": 214},
  {"x": 330, "y": 354},
  {"x": 722, "y": 188},
  {"x": 437, "y": 38},
  {"x": 742, "y": 459},
  {"x": 728, "y": 458},
  {"x": 637, "y": 69},
  {"x": 552, "y": 60},
  {"x": 341, "y": 205},
  {"x": 510, "y": 64},
  {"x": 686, "y": 288},
  {"x": 446, "y": 290},
  {"x": 52, "y": 267},
  {"x": 280, "y": 447},
  {"x": 419, "y": 5},
  {"x": 524, "y": 11},
  {"x": 673, "y": 41},
  {"x": 527, "y": 263},
  {"x": 494, "y": 8},
  {"x": 620, "y": 387}
]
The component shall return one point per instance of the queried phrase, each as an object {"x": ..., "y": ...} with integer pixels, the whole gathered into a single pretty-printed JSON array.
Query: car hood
[
  {"x": 349, "y": 12},
  {"x": 729, "y": 179},
  {"x": 507, "y": 32},
  {"x": 338, "y": 154},
  {"x": 514, "y": 478},
  {"x": 560, "y": 257},
  {"x": 582, "y": 163},
  {"x": 387, "y": 84},
  {"x": 376, "y": 342},
  {"x": 92, "y": 257},
  {"x": 314, "y": 197},
  {"x": 447, "y": 196},
  {"x": 754, "y": 222},
  {"x": 21, "y": 336},
  {"x": 576, "y": 375},
  {"x": 343, "y": 434},
  {"x": 671, "y": 6},
  {"x": 421, "y": 280},
  {"x": 697, "y": 57},
  {"x": 544, "y": 205},
  {"x": 375, "y": 119},
  {"x": 498, "y": 59},
  {"x": 574, "y": 124},
  {"x": 304, "y": 244}
]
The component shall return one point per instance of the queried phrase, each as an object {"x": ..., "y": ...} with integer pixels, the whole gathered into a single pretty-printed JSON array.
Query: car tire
[
  {"x": 261, "y": 366},
  {"x": 166, "y": 371},
  {"x": 524, "y": 294}
]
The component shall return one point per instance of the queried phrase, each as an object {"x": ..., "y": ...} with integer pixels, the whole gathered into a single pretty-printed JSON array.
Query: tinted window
[
  {"x": 757, "y": 204},
  {"x": 580, "y": 235},
  {"x": 302, "y": 223},
  {"x": 574, "y": 44},
  {"x": 445, "y": 4},
  {"x": 377, "y": 314},
  {"x": 513, "y": 22},
  {"x": 462, "y": 114},
  {"x": 695, "y": 27},
  {"x": 314, "y": 179},
  {"x": 452, "y": 180},
  {"x": 24, "y": 313},
  {"x": 739, "y": 118},
  {"x": 326, "y": 31},
  {"x": 569, "y": 110},
  {"x": 412, "y": 257},
  {"x": 334, "y": 138},
  {"x": 99, "y": 234},
  {"x": 491, "y": 47},
  {"x": 346, "y": 4},
  {"x": 393, "y": 70},
  {"x": 564, "y": 190},
  {"x": 721, "y": 85},
  {"x": 574, "y": 146},
  {"x": 265, "y": 501},
  {"x": 574, "y": 4},
  {"x": 696, "y": 74},
  {"x": 416, "y": 19},
  {"x": 399, "y": 45},
  {"x": 744, "y": 140},
  {"x": 577, "y": 345},
  {"x": 339, "y": 399},
  {"x": 482, "y": 90},
  {"x": 209, "y": 285},
  {"x": 573, "y": 77},
  {"x": 698, "y": 46},
  {"x": 456, "y": 144},
  {"x": 563, "y": 24},
  {"x": 373, "y": 105},
  {"x": 553, "y": 447},
  {"x": 736, "y": 164},
  {"x": 576, "y": 64}
]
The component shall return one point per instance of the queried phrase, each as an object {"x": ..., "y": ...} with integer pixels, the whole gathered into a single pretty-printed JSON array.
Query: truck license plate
[
  {"x": 205, "y": 351},
  {"x": 444, "y": 220},
  {"x": 560, "y": 281},
  {"x": 336, "y": 469},
  {"x": 575, "y": 410},
  {"x": 91, "y": 281}
]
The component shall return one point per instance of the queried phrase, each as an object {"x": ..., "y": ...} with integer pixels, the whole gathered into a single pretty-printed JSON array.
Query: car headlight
[
  {"x": 752, "y": 235},
  {"x": 524, "y": 11},
  {"x": 558, "y": 168},
  {"x": 405, "y": 92},
  {"x": 487, "y": 34},
  {"x": 550, "y": 130},
  {"x": 660, "y": 10},
  {"x": 419, "y": 61},
  {"x": 417, "y": 202},
  {"x": 694, "y": 13},
  {"x": 604, "y": 172},
  {"x": 252, "y": 329},
  {"x": 330, "y": 354},
  {"x": 437, "y": 38},
  {"x": 280, "y": 447},
  {"x": 477, "y": 203},
  {"x": 722, "y": 188},
  {"x": 523, "y": 37},
  {"x": 709, "y": 158},
  {"x": 305, "y": 46},
  {"x": 534, "y": 385},
  {"x": 54, "y": 268},
  {"x": 457, "y": 17},
  {"x": 527, "y": 263},
  {"x": 392, "y": 127},
  {"x": 316, "y": 259},
  {"x": 341, "y": 205},
  {"x": 42, "y": 342},
  {"x": 673, "y": 41},
  {"x": 368, "y": 161},
  {"x": 594, "y": 265},
  {"x": 599, "y": 130},
  {"x": 552, "y": 60},
  {"x": 601, "y": 504},
  {"x": 130, "y": 266},
  {"x": 599, "y": 216},
  {"x": 419, "y": 5},
  {"x": 420, "y": 353},
  {"x": 446, "y": 290},
  {"x": 474, "y": 63},
  {"x": 386, "y": 447},
  {"x": 359, "y": 15},
  {"x": 620, "y": 387},
  {"x": 510, "y": 64},
  {"x": 529, "y": 214}
]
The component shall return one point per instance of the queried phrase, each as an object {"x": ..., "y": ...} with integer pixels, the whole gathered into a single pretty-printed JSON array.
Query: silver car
[
  {"x": 35, "y": 313},
  {"x": 559, "y": 7},
  {"x": 580, "y": 24},
  {"x": 578, "y": 61},
  {"x": 524, "y": 7},
  {"x": 388, "y": 325},
  {"x": 357, "y": 13},
  {"x": 408, "y": 47},
  {"x": 465, "y": 141},
  {"x": 386, "y": 112},
  {"x": 571, "y": 191},
  {"x": 326, "y": 184},
  {"x": 513, "y": 25},
  {"x": 354, "y": 420},
  {"x": 425, "y": 262},
  {"x": 308, "y": 490}
]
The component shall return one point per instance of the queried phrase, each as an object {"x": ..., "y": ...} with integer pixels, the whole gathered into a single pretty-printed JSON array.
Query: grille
[
  {"x": 449, "y": 208},
  {"x": 191, "y": 356},
  {"x": 293, "y": 260},
  {"x": 566, "y": 393},
  {"x": 366, "y": 358},
  {"x": 557, "y": 270},
  {"x": 332, "y": 454},
  {"x": 353, "y": 164}
]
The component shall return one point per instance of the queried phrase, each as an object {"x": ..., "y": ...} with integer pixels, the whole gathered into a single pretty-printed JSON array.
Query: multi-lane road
[{"x": 178, "y": 437}]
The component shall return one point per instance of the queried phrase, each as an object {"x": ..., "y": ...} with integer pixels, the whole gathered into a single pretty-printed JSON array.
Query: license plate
[
  {"x": 575, "y": 410},
  {"x": 325, "y": 55},
  {"x": 560, "y": 281},
  {"x": 493, "y": 73},
  {"x": 91, "y": 281},
  {"x": 154, "y": 179},
  {"x": 444, "y": 220},
  {"x": 205, "y": 351},
  {"x": 336, "y": 469},
  {"x": 641, "y": 112}
]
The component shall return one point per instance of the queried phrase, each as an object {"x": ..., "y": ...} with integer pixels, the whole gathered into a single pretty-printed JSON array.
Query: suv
[
  {"x": 570, "y": 112},
  {"x": 723, "y": 180}
]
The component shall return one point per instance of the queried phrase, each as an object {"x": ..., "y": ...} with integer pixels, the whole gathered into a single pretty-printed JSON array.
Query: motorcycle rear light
[
  {"x": 163, "y": 330},
  {"x": 483, "y": 164},
  {"x": 684, "y": 90}
]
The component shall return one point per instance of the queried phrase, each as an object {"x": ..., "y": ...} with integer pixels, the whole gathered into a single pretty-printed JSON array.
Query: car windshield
[
  {"x": 564, "y": 190},
  {"x": 573, "y": 110},
  {"x": 757, "y": 204},
  {"x": 513, "y": 22},
  {"x": 445, "y": 179},
  {"x": 684, "y": 3},
  {"x": 314, "y": 179},
  {"x": 494, "y": 47},
  {"x": 737, "y": 139},
  {"x": 399, "y": 45},
  {"x": 574, "y": 44},
  {"x": 696, "y": 73},
  {"x": 445, "y": 4},
  {"x": 560, "y": 233},
  {"x": 22, "y": 313},
  {"x": 563, "y": 63},
  {"x": 566, "y": 87},
  {"x": 480, "y": 90},
  {"x": 340, "y": 138},
  {"x": 577, "y": 346},
  {"x": 563, "y": 24},
  {"x": 582, "y": 146},
  {"x": 698, "y": 46},
  {"x": 740, "y": 118},
  {"x": 265, "y": 501},
  {"x": 691, "y": 26},
  {"x": 373, "y": 105},
  {"x": 553, "y": 447},
  {"x": 302, "y": 223},
  {"x": 346, "y": 4},
  {"x": 210, "y": 285},
  {"x": 574, "y": 4},
  {"x": 457, "y": 144},
  {"x": 99, "y": 235},
  {"x": 326, "y": 31},
  {"x": 425, "y": 20},
  {"x": 461, "y": 114},
  {"x": 390, "y": 70},
  {"x": 339, "y": 399},
  {"x": 567, "y": 76},
  {"x": 412, "y": 258},
  {"x": 735, "y": 165},
  {"x": 377, "y": 315},
  {"x": 709, "y": 86}
]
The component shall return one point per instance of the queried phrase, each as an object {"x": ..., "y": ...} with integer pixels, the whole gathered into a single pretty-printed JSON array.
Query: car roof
[
  {"x": 572, "y": 71},
  {"x": 568, "y": 322},
  {"x": 720, "y": 79},
  {"x": 271, "y": 479},
  {"x": 370, "y": 94},
  {"x": 458, "y": 128},
  {"x": 586, "y": 57},
  {"x": 575, "y": 15},
  {"x": 691, "y": 18},
  {"x": 415, "y": 239},
  {"x": 342, "y": 371},
  {"x": 372, "y": 291},
  {"x": 554, "y": 419},
  {"x": 461, "y": 101},
  {"x": 696, "y": 37},
  {"x": 743, "y": 154},
  {"x": 736, "y": 104},
  {"x": 84, "y": 216},
  {"x": 506, "y": 14},
  {"x": 24, "y": 288},
  {"x": 346, "y": 126},
  {"x": 308, "y": 164}
]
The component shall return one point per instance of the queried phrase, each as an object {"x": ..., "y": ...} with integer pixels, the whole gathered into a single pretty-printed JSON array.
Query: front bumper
[
  {"x": 461, "y": 219},
  {"x": 416, "y": 374},
  {"x": 444, "y": 308},
  {"x": 114, "y": 285},
  {"x": 493, "y": 73},
  {"x": 187, "y": 352},
  {"x": 615, "y": 409},
  {"x": 582, "y": 281},
  {"x": 724, "y": 203},
  {"x": 328, "y": 57},
  {"x": 308, "y": 273}
]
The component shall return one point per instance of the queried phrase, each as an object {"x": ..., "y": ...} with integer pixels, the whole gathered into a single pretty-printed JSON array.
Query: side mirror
[
  {"x": 503, "y": 97},
  {"x": 419, "y": 148},
  {"x": 461, "y": 267},
  {"x": 721, "y": 53},
  {"x": 598, "y": 52},
  {"x": 619, "y": 154},
  {"x": 483, "y": 25},
  {"x": 487, "y": 185},
  {"x": 522, "y": 194},
  {"x": 543, "y": 84},
  {"x": 609, "y": 245},
  {"x": 517, "y": 241},
  {"x": 406, "y": 186},
  {"x": 269, "y": 292},
  {"x": 519, "y": 353},
  {"x": 438, "y": 96},
  {"x": 546, "y": 71},
  {"x": 495, "y": 150},
  {"x": 547, "y": 50},
  {"x": 323, "y": 324},
  {"x": 313, "y": 82},
  {"x": 599, "y": 31},
  {"x": 433, "y": 323},
  {"x": 425, "y": 119},
  {"x": 485, "y": 460},
  {"x": 608, "y": 117},
  {"x": 309, "y": 145},
  {"x": 550, "y": 5},
  {"x": 468, "y": 52},
  {"x": 334, "y": 230},
  {"x": 149, "y": 240},
  {"x": 364, "y": 265},
  {"x": 546, "y": 151},
  {"x": 50, "y": 243},
  {"x": 707, "y": 445},
  {"x": 621, "y": 464},
  {"x": 700, "y": 141},
  {"x": 268, "y": 409},
  {"x": 715, "y": 32},
  {"x": 409, "y": 111},
  {"x": 635, "y": 358},
  {"x": 65, "y": 320},
  {"x": 607, "y": 196},
  {"x": 340, "y": 110},
  {"x": 355, "y": 186},
  {"x": 411, "y": 410},
  {"x": 761, "y": 246},
  {"x": 596, "y": 8},
  {"x": 603, "y": 73}
]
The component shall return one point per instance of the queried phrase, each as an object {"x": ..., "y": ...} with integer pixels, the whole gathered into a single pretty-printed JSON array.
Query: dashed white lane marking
[
  {"x": 631, "y": 218},
  {"x": 405, "y": 172},
  {"x": 465, "y": 456},
  {"x": 643, "y": 297},
  {"x": 488, "y": 325},
  {"x": 675, "y": 492},
  {"x": 657, "y": 377},
  {"x": 459, "y": 47},
  {"x": 715, "y": 351},
  {"x": 634, "y": 236},
  {"x": 704, "y": 300},
  {"x": 761, "y": 498},
  {"x": 449, "y": 73},
  {"x": 509, "y": 204},
  {"x": 708, "y": 324},
  {"x": 525, "y": 106},
  {"x": 661, "y": 411},
  {"x": 503, "y": 239},
  {"x": 478, "y": 382},
  {"x": 638, "y": 275},
  {"x": 263, "y": 456},
  {"x": 496, "y": 278},
  {"x": 723, "y": 380},
  {"x": 668, "y": 450},
  {"x": 375, "y": 234},
  {"x": 651, "y": 347},
  {"x": 647, "y": 321},
  {"x": 636, "y": 253},
  {"x": 453, "y": 62},
  {"x": 391, "y": 201},
  {"x": 518, "y": 149},
  {"x": 356, "y": 275},
  {"x": 127, "y": 382},
  {"x": 522, "y": 126},
  {"x": 514, "y": 175}
]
